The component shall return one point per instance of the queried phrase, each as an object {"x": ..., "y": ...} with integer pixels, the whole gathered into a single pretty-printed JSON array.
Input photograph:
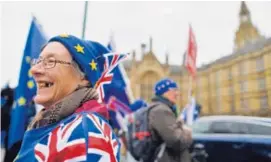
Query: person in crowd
[
  {"x": 73, "y": 125},
  {"x": 137, "y": 104},
  {"x": 165, "y": 127},
  {"x": 7, "y": 100}
]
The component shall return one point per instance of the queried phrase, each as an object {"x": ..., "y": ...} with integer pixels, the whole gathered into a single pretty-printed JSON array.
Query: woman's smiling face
[{"x": 54, "y": 74}]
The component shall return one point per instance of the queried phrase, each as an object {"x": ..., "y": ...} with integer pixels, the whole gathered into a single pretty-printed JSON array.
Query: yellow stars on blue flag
[
  {"x": 29, "y": 73},
  {"x": 30, "y": 84},
  {"x": 64, "y": 35},
  {"x": 21, "y": 101},
  {"x": 79, "y": 49},
  {"x": 93, "y": 65},
  {"x": 28, "y": 59}
]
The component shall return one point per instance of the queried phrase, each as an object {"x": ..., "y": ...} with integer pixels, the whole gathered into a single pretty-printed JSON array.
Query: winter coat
[{"x": 164, "y": 126}]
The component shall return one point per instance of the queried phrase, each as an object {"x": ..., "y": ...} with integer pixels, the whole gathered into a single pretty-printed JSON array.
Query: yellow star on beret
[
  {"x": 79, "y": 48},
  {"x": 64, "y": 35},
  {"x": 93, "y": 65}
]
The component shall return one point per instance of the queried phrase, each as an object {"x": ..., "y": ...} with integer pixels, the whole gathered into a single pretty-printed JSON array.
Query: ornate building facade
[{"x": 239, "y": 83}]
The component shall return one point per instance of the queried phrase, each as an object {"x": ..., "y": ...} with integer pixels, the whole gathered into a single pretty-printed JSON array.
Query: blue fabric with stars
[
  {"x": 26, "y": 87},
  {"x": 164, "y": 85},
  {"x": 87, "y": 54}
]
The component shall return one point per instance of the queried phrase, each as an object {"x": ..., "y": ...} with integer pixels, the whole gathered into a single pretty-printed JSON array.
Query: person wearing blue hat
[
  {"x": 137, "y": 104},
  {"x": 73, "y": 125},
  {"x": 164, "y": 126}
]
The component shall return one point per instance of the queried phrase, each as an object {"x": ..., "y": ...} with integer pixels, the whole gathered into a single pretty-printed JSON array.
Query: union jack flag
[
  {"x": 118, "y": 111},
  {"x": 111, "y": 61},
  {"x": 116, "y": 105},
  {"x": 102, "y": 142},
  {"x": 59, "y": 148},
  {"x": 65, "y": 144}
]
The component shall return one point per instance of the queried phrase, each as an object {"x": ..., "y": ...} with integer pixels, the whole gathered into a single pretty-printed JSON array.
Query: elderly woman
[{"x": 72, "y": 126}]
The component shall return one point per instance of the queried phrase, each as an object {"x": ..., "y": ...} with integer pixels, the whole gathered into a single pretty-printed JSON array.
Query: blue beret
[
  {"x": 87, "y": 54},
  {"x": 138, "y": 104},
  {"x": 164, "y": 85}
]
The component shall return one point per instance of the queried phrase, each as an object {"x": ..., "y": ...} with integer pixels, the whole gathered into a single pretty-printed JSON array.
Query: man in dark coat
[
  {"x": 165, "y": 126},
  {"x": 7, "y": 99}
]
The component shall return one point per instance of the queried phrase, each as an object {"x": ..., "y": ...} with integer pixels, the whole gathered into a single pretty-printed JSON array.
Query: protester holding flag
[
  {"x": 73, "y": 125},
  {"x": 164, "y": 126}
]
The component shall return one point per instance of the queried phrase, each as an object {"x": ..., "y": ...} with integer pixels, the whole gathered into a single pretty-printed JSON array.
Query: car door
[
  {"x": 258, "y": 143},
  {"x": 238, "y": 149},
  {"x": 214, "y": 140},
  {"x": 229, "y": 144},
  {"x": 200, "y": 141},
  {"x": 222, "y": 141}
]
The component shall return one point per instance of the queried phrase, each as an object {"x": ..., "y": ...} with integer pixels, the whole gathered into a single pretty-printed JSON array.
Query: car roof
[{"x": 249, "y": 119}]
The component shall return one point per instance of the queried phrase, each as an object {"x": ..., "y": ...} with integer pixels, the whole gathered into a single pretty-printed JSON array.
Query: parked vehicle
[{"x": 232, "y": 139}]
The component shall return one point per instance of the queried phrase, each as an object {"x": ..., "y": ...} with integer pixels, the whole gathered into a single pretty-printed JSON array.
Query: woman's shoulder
[
  {"x": 71, "y": 133},
  {"x": 88, "y": 120},
  {"x": 82, "y": 116}
]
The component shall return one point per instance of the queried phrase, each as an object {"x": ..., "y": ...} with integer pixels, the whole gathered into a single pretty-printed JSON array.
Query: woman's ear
[
  {"x": 82, "y": 77},
  {"x": 84, "y": 82}
]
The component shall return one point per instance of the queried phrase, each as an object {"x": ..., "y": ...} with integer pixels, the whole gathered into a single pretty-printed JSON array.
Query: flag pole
[
  {"x": 189, "y": 86},
  {"x": 85, "y": 20}
]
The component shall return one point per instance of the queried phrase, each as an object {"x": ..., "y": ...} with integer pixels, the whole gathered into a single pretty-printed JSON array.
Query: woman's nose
[{"x": 37, "y": 69}]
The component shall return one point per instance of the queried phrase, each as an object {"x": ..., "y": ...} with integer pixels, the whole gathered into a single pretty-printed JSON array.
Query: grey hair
[
  {"x": 77, "y": 68},
  {"x": 81, "y": 73}
]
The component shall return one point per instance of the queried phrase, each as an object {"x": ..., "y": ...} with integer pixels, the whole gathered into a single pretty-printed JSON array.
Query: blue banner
[{"x": 26, "y": 87}]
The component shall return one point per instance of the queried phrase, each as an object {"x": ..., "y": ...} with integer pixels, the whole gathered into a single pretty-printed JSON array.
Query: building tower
[{"x": 247, "y": 32}]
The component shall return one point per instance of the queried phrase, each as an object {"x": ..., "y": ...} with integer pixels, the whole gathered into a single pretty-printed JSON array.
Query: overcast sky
[{"x": 132, "y": 23}]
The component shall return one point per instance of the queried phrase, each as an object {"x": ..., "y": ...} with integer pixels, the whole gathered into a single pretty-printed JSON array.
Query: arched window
[{"x": 147, "y": 82}]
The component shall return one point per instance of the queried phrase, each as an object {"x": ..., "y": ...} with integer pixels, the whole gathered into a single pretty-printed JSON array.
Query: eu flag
[{"x": 26, "y": 87}]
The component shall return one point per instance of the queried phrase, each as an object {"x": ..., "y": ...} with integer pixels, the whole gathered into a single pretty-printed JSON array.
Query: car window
[
  {"x": 220, "y": 127},
  {"x": 229, "y": 127},
  {"x": 201, "y": 127},
  {"x": 259, "y": 129},
  {"x": 238, "y": 128}
]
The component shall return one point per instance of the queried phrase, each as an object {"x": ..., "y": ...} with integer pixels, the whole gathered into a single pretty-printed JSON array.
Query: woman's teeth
[{"x": 44, "y": 84}]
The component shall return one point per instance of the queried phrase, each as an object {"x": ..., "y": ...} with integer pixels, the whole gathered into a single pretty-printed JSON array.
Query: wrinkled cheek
[
  {"x": 56, "y": 93},
  {"x": 60, "y": 93}
]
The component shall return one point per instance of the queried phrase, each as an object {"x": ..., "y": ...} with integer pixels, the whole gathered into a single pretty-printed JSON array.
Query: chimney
[
  {"x": 150, "y": 44},
  {"x": 143, "y": 48},
  {"x": 167, "y": 57},
  {"x": 134, "y": 55}
]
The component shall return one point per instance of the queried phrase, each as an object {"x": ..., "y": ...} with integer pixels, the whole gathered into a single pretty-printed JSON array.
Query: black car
[{"x": 232, "y": 139}]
